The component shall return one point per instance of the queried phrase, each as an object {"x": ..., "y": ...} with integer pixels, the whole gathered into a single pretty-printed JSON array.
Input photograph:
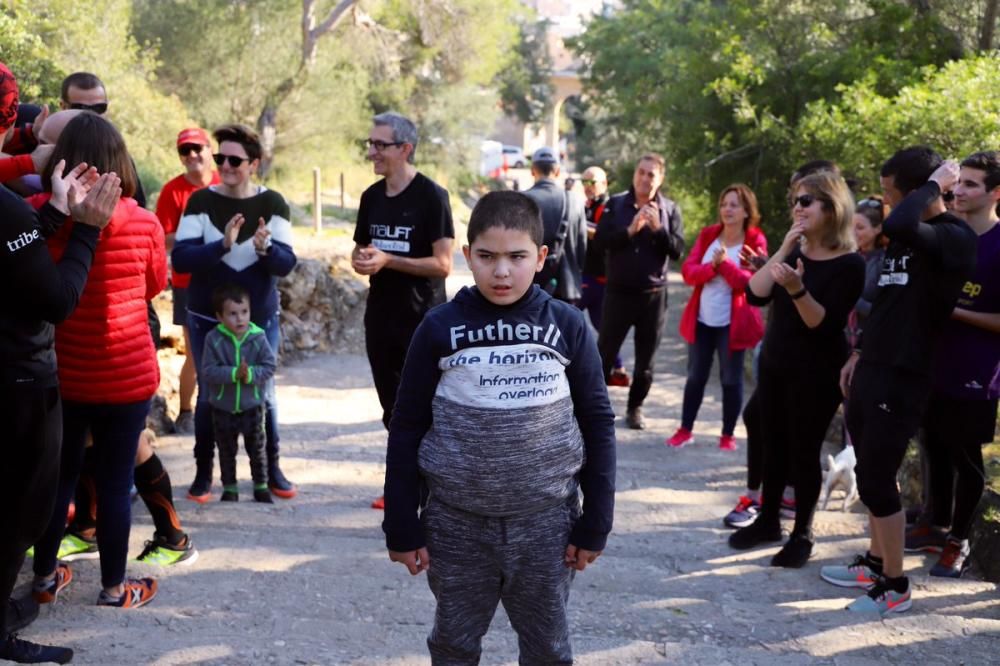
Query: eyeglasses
[
  {"x": 186, "y": 149},
  {"x": 804, "y": 200},
  {"x": 948, "y": 196},
  {"x": 234, "y": 161},
  {"x": 99, "y": 108},
  {"x": 589, "y": 182},
  {"x": 379, "y": 146}
]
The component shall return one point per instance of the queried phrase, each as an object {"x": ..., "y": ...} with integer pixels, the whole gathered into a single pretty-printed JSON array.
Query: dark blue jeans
[
  {"x": 204, "y": 437},
  {"x": 592, "y": 302},
  {"x": 709, "y": 341},
  {"x": 115, "y": 429}
]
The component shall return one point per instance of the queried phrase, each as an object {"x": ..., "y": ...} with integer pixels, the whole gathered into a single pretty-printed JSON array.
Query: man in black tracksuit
[
  {"x": 641, "y": 230},
  {"x": 37, "y": 294}
]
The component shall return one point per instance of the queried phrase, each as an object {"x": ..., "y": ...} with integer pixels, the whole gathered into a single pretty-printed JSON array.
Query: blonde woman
[{"x": 812, "y": 282}]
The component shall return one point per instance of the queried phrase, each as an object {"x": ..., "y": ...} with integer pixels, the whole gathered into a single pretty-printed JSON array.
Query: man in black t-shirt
[
  {"x": 403, "y": 242},
  {"x": 930, "y": 255}
]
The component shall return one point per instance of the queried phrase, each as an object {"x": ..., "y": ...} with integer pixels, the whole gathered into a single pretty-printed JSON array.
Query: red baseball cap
[
  {"x": 195, "y": 135},
  {"x": 8, "y": 98}
]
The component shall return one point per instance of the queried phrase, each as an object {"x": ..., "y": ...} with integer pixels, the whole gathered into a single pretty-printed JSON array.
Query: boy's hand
[
  {"x": 415, "y": 560},
  {"x": 579, "y": 558},
  {"x": 242, "y": 372}
]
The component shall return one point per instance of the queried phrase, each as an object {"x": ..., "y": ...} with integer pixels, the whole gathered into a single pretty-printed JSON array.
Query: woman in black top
[{"x": 812, "y": 282}]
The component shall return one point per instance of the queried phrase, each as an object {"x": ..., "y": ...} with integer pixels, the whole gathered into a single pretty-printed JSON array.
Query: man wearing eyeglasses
[
  {"x": 403, "y": 242},
  {"x": 195, "y": 151}
]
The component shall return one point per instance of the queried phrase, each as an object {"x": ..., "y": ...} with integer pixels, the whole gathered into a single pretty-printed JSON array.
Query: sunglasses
[
  {"x": 186, "y": 149},
  {"x": 379, "y": 146},
  {"x": 804, "y": 200},
  {"x": 100, "y": 108},
  {"x": 233, "y": 160},
  {"x": 588, "y": 181},
  {"x": 869, "y": 203}
]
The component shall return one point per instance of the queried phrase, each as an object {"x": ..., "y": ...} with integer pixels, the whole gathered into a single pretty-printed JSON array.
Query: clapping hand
[
  {"x": 718, "y": 257},
  {"x": 232, "y": 230},
  {"x": 76, "y": 184},
  {"x": 787, "y": 277},
  {"x": 97, "y": 207},
  {"x": 752, "y": 257},
  {"x": 242, "y": 372},
  {"x": 261, "y": 237}
]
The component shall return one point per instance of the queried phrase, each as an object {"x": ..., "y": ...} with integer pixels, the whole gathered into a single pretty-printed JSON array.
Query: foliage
[
  {"x": 720, "y": 88},
  {"x": 38, "y": 76},
  {"x": 525, "y": 88},
  {"x": 954, "y": 109}
]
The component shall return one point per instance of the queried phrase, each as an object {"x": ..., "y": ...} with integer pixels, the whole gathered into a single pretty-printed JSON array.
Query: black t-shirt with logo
[
  {"x": 923, "y": 271},
  {"x": 406, "y": 225}
]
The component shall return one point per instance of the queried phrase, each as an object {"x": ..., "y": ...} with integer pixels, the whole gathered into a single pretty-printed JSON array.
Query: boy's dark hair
[
  {"x": 242, "y": 135},
  {"x": 988, "y": 161},
  {"x": 911, "y": 167},
  {"x": 81, "y": 80},
  {"x": 510, "y": 210},
  {"x": 93, "y": 139},
  {"x": 228, "y": 292}
]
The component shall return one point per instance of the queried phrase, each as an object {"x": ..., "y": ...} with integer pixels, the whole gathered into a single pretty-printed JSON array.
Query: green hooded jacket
[{"x": 223, "y": 354}]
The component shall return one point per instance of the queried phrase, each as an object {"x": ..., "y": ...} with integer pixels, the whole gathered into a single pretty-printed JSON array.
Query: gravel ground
[{"x": 307, "y": 581}]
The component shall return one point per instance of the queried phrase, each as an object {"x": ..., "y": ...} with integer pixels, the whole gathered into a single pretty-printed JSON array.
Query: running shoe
[
  {"x": 727, "y": 443},
  {"x": 680, "y": 438},
  {"x": 744, "y": 513},
  {"x": 924, "y": 537},
  {"x": 954, "y": 559},
  {"x": 138, "y": 592},
  {"x": 160, "y": 551},
  {"x": 379, "y": 503},
  {"x": 76, "y": 547},
  {"x": 882, "y": 599},
  {"x": 21, "y": 651},
  {"x": 47, "y": 591},
  {"x": 754, "y": 534},
  {"x": 859, "y": 573},
  {"x": 619, "y": 377}
]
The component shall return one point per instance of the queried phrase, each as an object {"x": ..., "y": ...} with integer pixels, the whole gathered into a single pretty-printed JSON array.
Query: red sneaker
[
  {"x": 138, "y": 592},
  {"x": 619, "y": 378},
  {"x": 727, "y": 443},
  {"x": 379, "y": 503},
  {"x": 680, "y": 438},
  {"x": 48, "y": 591}
]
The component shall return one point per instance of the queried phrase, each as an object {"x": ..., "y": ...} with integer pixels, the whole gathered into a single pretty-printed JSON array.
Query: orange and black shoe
[
  {"x": 201, "y": 488},
  {"x": 47, "y": 591},
  {"x": 278, "y": 484},
  {"x": 138, "y": 592}
]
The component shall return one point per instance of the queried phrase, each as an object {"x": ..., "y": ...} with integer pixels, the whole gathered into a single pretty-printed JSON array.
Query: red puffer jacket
[
  {"x": 746, "y": 327},
  {"x": 104, "y": 350}
]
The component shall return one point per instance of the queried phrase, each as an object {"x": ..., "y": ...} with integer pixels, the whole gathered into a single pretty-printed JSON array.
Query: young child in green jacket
[{"x": 237, "y": 363}]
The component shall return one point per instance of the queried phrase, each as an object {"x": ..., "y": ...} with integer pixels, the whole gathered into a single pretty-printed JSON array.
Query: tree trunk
[
  {"x": 267, "y": 121},
  {"x": 989, "y": 25}
]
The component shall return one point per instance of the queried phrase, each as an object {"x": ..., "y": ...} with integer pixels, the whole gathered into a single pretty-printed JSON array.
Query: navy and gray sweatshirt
[{"x": 502, "y": 411}]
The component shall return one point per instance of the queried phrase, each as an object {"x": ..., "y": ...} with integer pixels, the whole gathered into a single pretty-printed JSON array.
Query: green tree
[{"x": 38, "y": 76}]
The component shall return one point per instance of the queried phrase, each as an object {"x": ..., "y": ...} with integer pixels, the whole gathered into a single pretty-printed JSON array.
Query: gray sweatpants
[{"x": 477, "y": 561}]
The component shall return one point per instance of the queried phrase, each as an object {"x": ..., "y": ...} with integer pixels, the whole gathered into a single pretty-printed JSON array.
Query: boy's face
[
  {"x": 503, "y": 263},
  {"x": 235, "y": 316}
]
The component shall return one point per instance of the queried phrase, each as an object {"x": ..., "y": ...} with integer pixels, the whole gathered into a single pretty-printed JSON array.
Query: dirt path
[{"x": 307, "y": 581}]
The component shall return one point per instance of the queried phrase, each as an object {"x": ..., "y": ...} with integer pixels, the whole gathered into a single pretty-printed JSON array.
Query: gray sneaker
[
  {"x": 858, "y": 573},
  {"x": 184, "y": 424}
]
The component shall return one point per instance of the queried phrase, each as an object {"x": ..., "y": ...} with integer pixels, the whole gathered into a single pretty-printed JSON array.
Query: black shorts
[
  {"x": 180, "y": 305},
  {"x": 967, "y": 421},
  {"x": 884, "y": 410}
]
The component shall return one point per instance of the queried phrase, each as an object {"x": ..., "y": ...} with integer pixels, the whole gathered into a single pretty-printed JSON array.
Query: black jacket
[
  {"x": 551, "y": 197},
  {"x": 37, "y": 292},
  {"x": 639, "y": 263}
]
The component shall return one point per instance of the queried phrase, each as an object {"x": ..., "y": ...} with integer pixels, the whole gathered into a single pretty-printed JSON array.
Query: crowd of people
[{"x": 500, "y": 463}]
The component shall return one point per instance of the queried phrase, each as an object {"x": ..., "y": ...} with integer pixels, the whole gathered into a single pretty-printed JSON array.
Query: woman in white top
[{"x": 718, "y": 319}]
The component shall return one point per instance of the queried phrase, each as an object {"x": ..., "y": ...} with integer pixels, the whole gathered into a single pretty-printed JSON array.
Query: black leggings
[
  {"x": 387, "y": 338},
  {"x": 30, "y": 447},
  {"x": 954, "y": 433},
  {"x": 795, "y": 411}
]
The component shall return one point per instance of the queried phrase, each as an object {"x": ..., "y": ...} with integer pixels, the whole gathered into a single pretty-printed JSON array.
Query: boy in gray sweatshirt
[
  {"x": 503, "y": 415},
  {"x": 237, "y": 363}
]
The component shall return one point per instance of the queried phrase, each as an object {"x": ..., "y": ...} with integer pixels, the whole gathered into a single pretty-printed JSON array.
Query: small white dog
[{"x": 840, "y": 472}]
